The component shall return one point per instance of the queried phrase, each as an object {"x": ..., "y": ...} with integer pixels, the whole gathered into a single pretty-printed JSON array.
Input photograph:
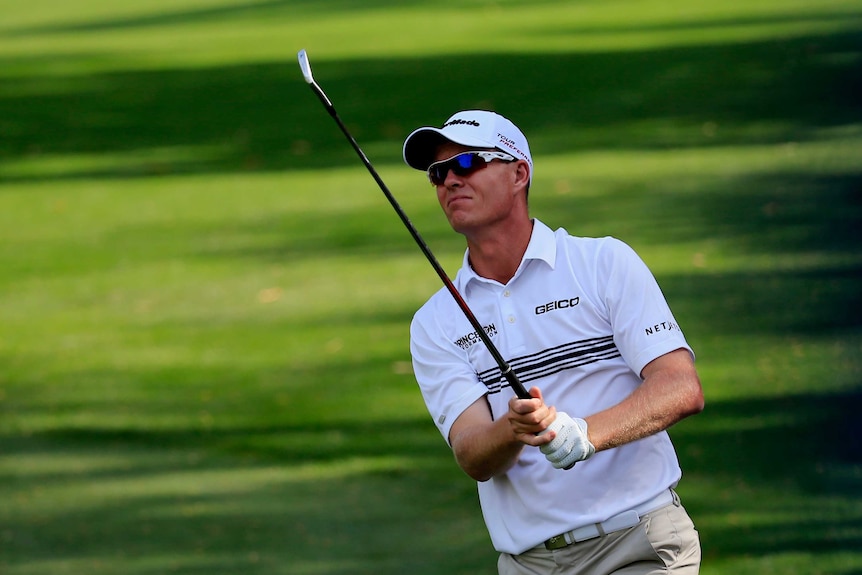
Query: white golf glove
[{"x": 570, "y": 445}]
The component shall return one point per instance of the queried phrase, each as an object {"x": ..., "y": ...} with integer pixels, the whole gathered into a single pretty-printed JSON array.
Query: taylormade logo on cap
[
  {"x": 459, "y": 121},
  {"x": 472, "y": 128}
]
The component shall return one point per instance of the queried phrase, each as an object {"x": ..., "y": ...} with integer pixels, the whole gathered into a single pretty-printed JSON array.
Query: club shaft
[{"x": 505, "y": 368}]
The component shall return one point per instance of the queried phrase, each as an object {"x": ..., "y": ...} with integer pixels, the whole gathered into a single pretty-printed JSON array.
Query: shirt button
[
  {"x": 507, "y": 293},
  {"x": 511, "y": 319}
]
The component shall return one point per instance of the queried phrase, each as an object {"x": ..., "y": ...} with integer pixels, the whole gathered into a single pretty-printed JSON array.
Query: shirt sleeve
[
  {"x": 643, "y": 326},
  {"x": 448, "y": 383}
]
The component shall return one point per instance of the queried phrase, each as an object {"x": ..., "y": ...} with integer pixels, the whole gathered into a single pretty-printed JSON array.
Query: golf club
[{"x": 505, "y": 368}]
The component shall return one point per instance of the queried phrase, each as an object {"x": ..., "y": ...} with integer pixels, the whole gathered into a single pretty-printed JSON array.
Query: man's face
[{"x": 480, "y": 199}]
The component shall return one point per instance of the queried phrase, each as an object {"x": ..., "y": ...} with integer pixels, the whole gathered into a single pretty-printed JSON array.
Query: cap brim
[{"x": 420, "y": 147}]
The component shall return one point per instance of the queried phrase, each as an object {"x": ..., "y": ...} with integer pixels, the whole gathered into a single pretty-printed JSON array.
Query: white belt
[{"x": 624, "y": 520}]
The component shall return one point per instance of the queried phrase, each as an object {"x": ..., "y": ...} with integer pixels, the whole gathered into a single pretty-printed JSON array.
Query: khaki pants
[{"x": 665, "y": 541}]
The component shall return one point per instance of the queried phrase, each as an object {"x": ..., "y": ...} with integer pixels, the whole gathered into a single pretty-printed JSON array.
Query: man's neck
[{"x": 497, "y": 255}]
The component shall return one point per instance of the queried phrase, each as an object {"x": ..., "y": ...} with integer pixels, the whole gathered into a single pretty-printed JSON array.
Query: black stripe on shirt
[{"x": 552, "y": 360}]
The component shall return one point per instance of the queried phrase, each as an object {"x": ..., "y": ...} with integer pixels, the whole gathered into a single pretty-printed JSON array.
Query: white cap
[{"x": 474, "y": 128}]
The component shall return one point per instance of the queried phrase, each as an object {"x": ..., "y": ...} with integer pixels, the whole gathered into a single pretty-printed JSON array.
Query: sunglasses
[{"x": 463, "y": 164}]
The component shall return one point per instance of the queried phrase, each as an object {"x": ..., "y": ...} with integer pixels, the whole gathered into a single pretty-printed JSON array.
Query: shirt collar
[{"x": 542, "y": 247}]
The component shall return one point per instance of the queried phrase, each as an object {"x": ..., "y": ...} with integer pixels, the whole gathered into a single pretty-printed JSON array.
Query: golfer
[{"x": 580, "y": 478}]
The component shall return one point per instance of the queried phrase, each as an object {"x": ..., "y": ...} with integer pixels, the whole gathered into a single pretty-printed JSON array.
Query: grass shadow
[{"x": 263, "y": 117}]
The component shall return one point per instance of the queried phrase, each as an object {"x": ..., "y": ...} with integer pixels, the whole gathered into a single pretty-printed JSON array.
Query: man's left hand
[{"x": 571, "y": 443}]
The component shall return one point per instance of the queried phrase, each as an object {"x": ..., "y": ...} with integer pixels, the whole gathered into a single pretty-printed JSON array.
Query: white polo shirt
[{"x": 580, "y": 319}]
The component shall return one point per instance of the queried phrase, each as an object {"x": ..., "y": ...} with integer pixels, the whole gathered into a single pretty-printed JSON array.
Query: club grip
[{"x": 515, "y": 383}]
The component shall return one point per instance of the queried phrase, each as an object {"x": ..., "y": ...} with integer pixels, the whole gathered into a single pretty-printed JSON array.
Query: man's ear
[{"x": 522, "y": 173}]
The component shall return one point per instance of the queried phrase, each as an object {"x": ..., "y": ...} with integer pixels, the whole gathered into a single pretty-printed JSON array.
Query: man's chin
[{"x": 462, "y": 226}]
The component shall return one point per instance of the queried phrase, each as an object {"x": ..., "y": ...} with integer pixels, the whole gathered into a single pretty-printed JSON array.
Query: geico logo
[{"x": 559, "y": 304}]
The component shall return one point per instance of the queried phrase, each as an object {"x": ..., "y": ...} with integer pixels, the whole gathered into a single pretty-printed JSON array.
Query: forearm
[
  {"x": 486, "y": 449},
  {"x": 633, "y": 419},
  {"x": 671, "y": 391}
]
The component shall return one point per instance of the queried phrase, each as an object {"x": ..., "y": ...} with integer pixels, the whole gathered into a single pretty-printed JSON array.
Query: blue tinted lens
[
  {"x": 460, "y": 165},
  {"x": 467, "y": 161}
]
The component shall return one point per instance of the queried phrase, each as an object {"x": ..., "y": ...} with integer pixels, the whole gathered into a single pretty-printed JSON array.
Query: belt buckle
[
  {"x": 616, "y": 523},
  {"x": 556, "y": 542}
]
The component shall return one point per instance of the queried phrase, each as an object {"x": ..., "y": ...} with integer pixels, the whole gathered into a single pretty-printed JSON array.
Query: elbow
[
  {"x": 695, "y": 407},
  {"x": 701, "y": 403},
  {"x": 481, "y": 468},
  {"x": 474, "y": 469},
  {"x": 695, "y": 401},
  {"x": 479, "y": 477},
  {"x": 486, "y": 471}
]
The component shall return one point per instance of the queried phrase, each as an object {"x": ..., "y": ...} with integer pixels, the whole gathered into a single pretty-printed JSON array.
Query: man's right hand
[{"x": 528, "y": 418}]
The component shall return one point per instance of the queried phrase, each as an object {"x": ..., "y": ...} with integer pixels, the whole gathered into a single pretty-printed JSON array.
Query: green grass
[{"x": 204, "y": 299}]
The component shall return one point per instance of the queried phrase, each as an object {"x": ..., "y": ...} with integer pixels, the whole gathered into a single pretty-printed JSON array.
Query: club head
[{"x": 305, "y": 66}]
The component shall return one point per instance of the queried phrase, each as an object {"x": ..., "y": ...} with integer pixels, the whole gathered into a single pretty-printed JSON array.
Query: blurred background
[{"x": 205, "y": 299}]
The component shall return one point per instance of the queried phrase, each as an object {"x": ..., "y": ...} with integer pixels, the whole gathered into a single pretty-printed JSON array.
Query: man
[{"x": 580, "y": 478}]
